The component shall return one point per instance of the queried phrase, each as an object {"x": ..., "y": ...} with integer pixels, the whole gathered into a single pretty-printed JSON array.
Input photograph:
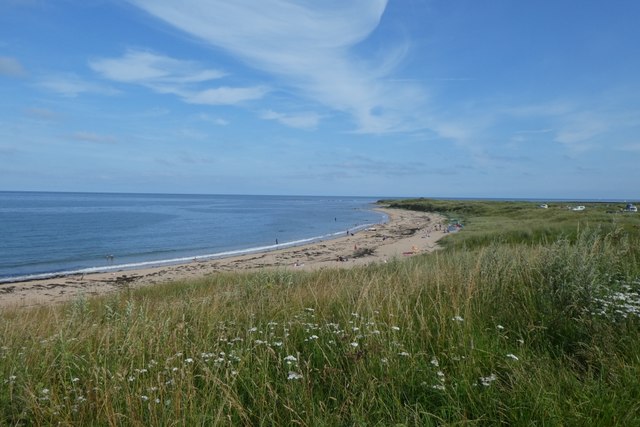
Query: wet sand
[{"x": 407, "y": 233}]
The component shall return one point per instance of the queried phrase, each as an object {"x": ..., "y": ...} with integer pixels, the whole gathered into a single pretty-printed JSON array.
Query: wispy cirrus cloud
[
  {"x": 309, "y": 46},
  {"x": 71, "y": 85},
  {"x": 167, "y": 75},
  {"x": 158, "y": 72},
  {"x": 11, "y": 67},
  {"x": 307, "y": 121},
  {"x": 226, "y": 95}
]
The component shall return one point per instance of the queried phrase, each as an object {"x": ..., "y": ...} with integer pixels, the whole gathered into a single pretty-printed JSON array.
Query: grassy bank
[{"x": 528, "y": 317}]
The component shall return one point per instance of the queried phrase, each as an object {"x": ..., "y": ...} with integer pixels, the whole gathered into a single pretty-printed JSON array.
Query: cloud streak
[
  {"x": 166, "y": 75},
  {"x": 308, "y": 121},
  {"x": 309, "y": 46},
  {"x": 71, "y": 85}
]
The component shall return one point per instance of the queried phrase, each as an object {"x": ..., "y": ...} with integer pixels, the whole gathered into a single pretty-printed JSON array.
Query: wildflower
[
  {"x": 290, "y": 359},
  {"x": 486, "y": 381},
  {"x": 144, "y": 398},
  {"x": 500, "y": 327},
  {"x": 294, "y": 376},
  {"x": 438, "y": 387},
  {"x": 395, "y": 328},
  {"x": 45, "y": 391},
  {"x": 131, "y": 379},
  {"x": 458, "y": 319},
  {"x": 157, "y": 400},
  {"x": 403, "y": 353},
  {"x": 188, "y": 360},
  {"x": 234, "y": 373},
  {"x": 310, "y": 310},
  {"x": 435, "y": 362},
  {"x": 277, "y": 344},
  {"x": 75, "y": 380},
  {"x": 440, "y": 374},
  {"x": 354, "y": 344},
  {"x": 258, "y": 342},
  {"x": 512, "y": 356},
  {"x": 253, "y": 329},
  {"x": 384, "y": 360},
  {"x": 313, "y": 337}
]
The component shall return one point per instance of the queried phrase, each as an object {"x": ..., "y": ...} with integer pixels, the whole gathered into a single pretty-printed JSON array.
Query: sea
[{"x": 44, "y": 234}]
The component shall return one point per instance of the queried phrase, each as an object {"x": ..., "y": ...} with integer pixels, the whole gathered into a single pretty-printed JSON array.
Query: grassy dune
[{"x": 527, "y": 317}]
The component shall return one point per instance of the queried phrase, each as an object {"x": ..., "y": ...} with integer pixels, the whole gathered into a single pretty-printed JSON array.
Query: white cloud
[
  {"x": 309, "y": 45},
  {"x": 299, "y": 121},
  {"x": 158, "y": 72},
  {"x": 167, "y": 75},
  {"x": 11, "y": 67},
  {"x": 215, "y": 120},
  {"x": 71, "y": 85},
  {"x": 226, "y": 95}
]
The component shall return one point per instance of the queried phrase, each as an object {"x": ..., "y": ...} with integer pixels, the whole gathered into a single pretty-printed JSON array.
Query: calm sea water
[{"x": 44, "y": 234}]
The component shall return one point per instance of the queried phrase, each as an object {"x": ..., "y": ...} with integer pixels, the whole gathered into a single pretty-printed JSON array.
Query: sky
[{"x": 403, "y": 98}]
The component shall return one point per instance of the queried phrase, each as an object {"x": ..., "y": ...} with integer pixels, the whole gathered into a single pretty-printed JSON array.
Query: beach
[{"x": 407, "y": 233}]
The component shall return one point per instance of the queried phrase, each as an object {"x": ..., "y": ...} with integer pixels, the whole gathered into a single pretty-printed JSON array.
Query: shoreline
[{"x": 404, "y": 234}]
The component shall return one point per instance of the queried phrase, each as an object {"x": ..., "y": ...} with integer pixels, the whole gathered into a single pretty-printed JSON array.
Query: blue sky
[{"x": 441, "y": 98}]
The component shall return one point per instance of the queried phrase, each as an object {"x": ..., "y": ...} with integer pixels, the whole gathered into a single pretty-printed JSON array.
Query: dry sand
[{"x": 405, "y": 234}]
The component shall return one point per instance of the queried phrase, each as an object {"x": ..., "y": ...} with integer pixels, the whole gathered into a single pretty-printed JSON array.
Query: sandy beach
[{"x": 407, "y": 233}]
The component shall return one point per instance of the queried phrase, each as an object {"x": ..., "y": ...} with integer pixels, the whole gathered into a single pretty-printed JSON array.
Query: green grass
[{"x": 510, "y": 330}]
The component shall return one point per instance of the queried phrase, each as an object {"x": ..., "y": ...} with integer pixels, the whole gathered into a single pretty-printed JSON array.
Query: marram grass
[{"x": 514, "y": 334}]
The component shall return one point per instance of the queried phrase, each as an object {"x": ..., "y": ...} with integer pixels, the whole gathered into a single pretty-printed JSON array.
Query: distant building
[
  {"x": 578, "y": 208},
  {"x": 544, "y": 206},
  {"x": 630, "y": 208}
]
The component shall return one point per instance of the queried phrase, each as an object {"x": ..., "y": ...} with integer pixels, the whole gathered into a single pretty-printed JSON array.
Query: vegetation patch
[{"x": 536, "y": 327}]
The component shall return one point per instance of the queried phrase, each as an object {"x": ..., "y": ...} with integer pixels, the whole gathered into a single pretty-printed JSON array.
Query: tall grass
[{"x": 519, "y": 334}]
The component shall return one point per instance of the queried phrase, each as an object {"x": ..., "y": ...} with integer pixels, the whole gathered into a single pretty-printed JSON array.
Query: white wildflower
[
  {"x": 354, "y": 344},
  {"x": 145, "y": 398},
  {"x": 512, "y": 356},
  {"x": 403, "y": 353},
  {"x": 458, "y": 319},
  {"x": 188, "y": 360},
  {"x": 395, "y": 328},
  {"x": 294, "y": 376},
  {"x": 434, "y": 362},
  {"x": 500, "y": 327},
  {"x": 486, "y": 381},
  {"x": 290, "y": 359}
]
